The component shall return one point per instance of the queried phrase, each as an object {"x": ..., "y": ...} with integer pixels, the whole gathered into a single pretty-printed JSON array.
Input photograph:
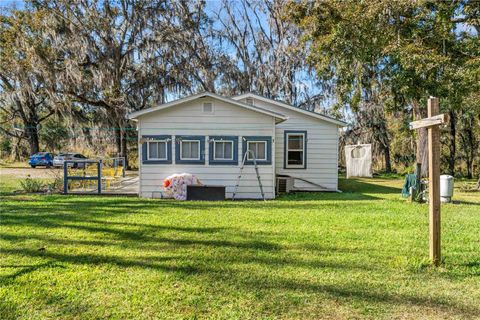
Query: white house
[{"x": 207, "y": 135}]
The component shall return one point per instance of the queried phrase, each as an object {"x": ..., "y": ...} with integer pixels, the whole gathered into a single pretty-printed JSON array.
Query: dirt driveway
[{"x": 34, "y": 173}]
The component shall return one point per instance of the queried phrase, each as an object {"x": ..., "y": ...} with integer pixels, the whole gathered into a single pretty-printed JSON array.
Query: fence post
[
  {"x": 123, "y": 167},
  {"x": 65, "y": 177},
  {"x": 99, "y": 176}
]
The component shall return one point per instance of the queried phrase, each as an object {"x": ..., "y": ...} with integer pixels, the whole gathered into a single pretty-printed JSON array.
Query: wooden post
[
  {"x": 432, "y": 123},
  {"x": 434, "y": 182}
]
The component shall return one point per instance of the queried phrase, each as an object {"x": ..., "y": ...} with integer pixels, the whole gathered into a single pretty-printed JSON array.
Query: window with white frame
[
  {"x": 157, "y": 150},
  {"x": 295, "y": 149},
  {"x": 259, "y": 149},
  {"x": 190, "y": 150},
  {"x": 223, "y": 150}
]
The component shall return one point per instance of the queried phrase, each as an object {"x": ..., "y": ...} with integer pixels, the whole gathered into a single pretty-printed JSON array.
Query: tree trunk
[
  {"x": 388, "y": 164},
  {"x": 124, "y": 151},
  {"x": 32, "y": 136},
  {"x": 469, "y": 167},
  {"x": 453, "y": 132},
  {"x": 16, "y": 149},
  {"x": 118, "y": 140},
  {"x": 471, "y": 150},
  {"x": 88, "y": 136},
  {"x": 422, "y": 140}
]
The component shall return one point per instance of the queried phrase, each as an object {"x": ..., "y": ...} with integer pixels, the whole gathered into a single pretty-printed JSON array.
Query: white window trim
[
  {"x": 166, "y": 149},
  {"x": 215, "y": 146},
  {"x": 266, "y": 151},
  {"x": 199, "y": 149},
  {"x": 295, "y": 166}
]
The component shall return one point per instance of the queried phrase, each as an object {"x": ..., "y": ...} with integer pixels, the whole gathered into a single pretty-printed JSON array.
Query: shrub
[
  {"x": 32, "y": 185},
  {"x": 5, "y": 147},
  {"x": 56, "y": 185}
]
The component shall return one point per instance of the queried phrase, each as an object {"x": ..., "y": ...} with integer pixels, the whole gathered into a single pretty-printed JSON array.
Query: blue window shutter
[
  {"x": 202, "y": 149},
  {"x": 144, "y": 152}
]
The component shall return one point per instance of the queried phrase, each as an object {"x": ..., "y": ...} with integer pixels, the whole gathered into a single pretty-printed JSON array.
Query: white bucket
[{"x": 446, "y": 188}]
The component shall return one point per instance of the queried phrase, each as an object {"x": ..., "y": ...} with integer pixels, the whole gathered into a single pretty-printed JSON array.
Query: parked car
[
  {"x": 60, "y": 159},
  {"x": 41, "y": 159}
]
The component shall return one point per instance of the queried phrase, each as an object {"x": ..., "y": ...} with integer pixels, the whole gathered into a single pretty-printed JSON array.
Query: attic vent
[
  {"x": 249, "y": 101},
  {"x": 207, "y": 107}
]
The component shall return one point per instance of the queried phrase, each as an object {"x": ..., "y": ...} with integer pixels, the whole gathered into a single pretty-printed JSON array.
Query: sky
[{"x": 5, "y": 3}]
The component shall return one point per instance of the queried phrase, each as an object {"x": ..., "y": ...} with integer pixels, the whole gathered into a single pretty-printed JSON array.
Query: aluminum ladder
[{"x": 241, "y": 171}]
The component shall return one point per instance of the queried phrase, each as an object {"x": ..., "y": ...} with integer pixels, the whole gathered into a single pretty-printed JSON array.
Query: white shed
[{"x": 207, "y": 135}]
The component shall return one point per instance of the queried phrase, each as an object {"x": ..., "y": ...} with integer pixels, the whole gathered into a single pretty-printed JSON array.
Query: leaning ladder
[{"x": 241, "y": 171}]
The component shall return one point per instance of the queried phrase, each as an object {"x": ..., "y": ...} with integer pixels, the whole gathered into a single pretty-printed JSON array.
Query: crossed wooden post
[{"x": 432, "y": 123}]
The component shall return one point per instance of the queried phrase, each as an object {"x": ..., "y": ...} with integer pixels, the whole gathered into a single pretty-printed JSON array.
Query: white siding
[
  {"x": 322, "y": 148},
  {"x": 226, "y": 119}
]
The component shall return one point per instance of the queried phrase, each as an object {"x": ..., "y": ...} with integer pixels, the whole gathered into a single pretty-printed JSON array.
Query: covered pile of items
[{"x": 175, "y": 186}]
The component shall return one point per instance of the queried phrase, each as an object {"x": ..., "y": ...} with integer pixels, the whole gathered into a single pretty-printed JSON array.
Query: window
[
  {"x": 259, "y": 147},
  {"x": 295, "y": 149},
  {"x": 190, "y": 149},
  {"x": 223, "y": 150},
  {"x": 157, "y": 149},
  {"x": 207, "y": 107}
]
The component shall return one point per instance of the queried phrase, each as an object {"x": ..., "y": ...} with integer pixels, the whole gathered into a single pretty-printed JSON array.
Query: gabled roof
[
  {"x": 290, "y": 107},
  {"x": 278, "y": 116}
]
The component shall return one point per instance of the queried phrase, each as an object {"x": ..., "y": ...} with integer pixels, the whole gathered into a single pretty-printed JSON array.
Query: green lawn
[
  {"x": 8, "y": 184},
  {"x": 360, "y": 254}
]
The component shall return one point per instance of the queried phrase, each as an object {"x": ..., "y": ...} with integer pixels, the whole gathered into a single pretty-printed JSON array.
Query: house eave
[
  {"x": 312, "y": 114},
  {"x": 278, "y": 116}
]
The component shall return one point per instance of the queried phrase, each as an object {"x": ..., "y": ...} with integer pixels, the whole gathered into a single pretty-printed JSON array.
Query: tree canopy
[
  {"x": 82, "y": 66},
  {"x": 389, "y": 56}
]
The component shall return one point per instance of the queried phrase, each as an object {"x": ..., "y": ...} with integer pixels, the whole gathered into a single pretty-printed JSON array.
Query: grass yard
[{"x": 360, "y": 254}]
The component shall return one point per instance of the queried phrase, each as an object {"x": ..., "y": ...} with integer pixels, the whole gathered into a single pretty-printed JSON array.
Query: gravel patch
[{"x": 33, "y": 173}]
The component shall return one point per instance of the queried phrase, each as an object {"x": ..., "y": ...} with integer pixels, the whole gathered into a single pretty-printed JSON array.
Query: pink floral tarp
[{"x": 175, "y": 186}]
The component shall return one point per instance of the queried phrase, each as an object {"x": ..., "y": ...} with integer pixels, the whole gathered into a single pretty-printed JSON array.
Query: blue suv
[{"x": 41, "y": 159}]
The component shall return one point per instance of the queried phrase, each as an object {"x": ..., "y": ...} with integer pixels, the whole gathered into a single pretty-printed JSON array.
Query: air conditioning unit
[{"x": 284, "y": 185}]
